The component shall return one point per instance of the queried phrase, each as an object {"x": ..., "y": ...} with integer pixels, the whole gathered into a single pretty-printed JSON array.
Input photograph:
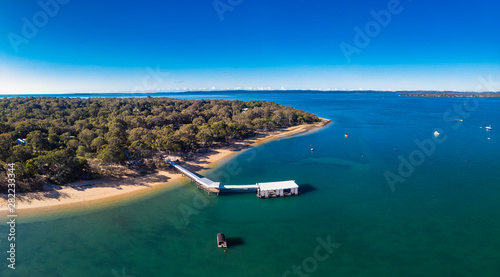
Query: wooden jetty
[
  {"x": 201, "y": 181},
  {"x": 240, "y": 188},
  {"x": 264, "y": 190}
]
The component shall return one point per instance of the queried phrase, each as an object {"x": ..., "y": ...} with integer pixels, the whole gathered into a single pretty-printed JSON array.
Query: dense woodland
[{"x": 65, "y": 136}]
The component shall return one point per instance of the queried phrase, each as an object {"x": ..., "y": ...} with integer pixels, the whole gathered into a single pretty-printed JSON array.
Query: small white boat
[
  {"x": 436, "y": 134},
  {"x": 488, "y": 128}
]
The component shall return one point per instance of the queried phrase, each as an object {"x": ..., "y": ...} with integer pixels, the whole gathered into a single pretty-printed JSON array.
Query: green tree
[
  {"x": 219, "y": 130},
  {"x": 22, "y": 129},
  {"x": 199, "y": 121},
  {"x": 6, "y": 144},
  {"x": 97, "y": 143},
  {"x": 111, "y": 154},
  {"x": 37, "y": 140},
  {"x": 53, "y": 140},
  {"x": 236, "y": 131},
  {"x": 85, "y": 137},
  {"x": 205, "y": 135},
  {"x": 163, "y": 138},
  {"x": 187, "y": 134},
  {"x": 62, "y": 167},
  {"x": 73, "y": 144},
  {"x": 4, "y": 127},
  {"x": 81, "y": 151},
  {"x": 20, "y": 153}
]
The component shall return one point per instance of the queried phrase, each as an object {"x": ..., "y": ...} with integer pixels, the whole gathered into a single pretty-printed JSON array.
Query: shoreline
[{"x": 101, "y": 193}]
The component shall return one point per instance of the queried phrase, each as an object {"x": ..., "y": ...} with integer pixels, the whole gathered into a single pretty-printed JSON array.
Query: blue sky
[{"x": 58, "y": 46}]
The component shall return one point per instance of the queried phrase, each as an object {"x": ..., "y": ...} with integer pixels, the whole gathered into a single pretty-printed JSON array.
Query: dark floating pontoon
[{"x": 221, "y": 240}]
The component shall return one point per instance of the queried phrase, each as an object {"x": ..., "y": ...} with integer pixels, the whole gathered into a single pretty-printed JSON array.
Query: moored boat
[{"x": 221, "y": 240}]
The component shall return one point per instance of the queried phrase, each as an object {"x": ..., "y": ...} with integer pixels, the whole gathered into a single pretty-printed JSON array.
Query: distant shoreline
[
  {"x": 180, "y": 93},
  {"x": 429, "y": 94},
  {"x": 89, "y": 195}
]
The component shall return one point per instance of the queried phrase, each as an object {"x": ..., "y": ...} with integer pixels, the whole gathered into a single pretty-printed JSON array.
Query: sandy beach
[{"x": 88, "y": 195}]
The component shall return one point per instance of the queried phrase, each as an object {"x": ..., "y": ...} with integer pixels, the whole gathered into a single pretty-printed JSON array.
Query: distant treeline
[{"x": 54, "y": 138}]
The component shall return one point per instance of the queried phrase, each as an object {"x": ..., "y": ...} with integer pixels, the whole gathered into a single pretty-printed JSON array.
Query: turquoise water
[{"x": 444, "y": 220}]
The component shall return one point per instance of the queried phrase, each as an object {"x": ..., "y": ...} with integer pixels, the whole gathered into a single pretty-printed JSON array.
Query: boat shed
[
  {"x": 277, "y": 189},
  {"x": 221, "y": 240}
]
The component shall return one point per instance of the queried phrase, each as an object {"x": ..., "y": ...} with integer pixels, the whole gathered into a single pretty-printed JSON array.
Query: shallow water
[{"x": 444, "y": 220}]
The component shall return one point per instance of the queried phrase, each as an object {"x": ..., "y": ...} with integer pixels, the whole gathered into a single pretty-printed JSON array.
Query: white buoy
[{"x": 436, "y": 134}]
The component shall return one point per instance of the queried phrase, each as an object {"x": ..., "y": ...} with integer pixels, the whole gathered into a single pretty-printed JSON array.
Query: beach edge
[{"x": 93, "y": 198}]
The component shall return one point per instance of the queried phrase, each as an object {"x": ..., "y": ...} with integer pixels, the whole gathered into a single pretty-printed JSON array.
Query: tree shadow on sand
[
  {"x": 30, "y": 197},
  {"x": 130, "y": 180}
]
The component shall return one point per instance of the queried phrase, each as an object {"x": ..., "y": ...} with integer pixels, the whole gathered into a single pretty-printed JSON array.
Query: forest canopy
[{"x": 52, "y": 139}]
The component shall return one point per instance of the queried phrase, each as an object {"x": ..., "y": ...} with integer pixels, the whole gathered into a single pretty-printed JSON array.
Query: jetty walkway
[{"x": 264, "y": 190}]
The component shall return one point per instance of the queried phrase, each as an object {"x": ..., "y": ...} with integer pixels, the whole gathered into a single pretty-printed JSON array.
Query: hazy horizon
[{"x": 251, "y": 91}]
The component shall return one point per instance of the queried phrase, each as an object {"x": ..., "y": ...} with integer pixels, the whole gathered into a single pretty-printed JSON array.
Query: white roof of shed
[{"x": 277, "y": 185}]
